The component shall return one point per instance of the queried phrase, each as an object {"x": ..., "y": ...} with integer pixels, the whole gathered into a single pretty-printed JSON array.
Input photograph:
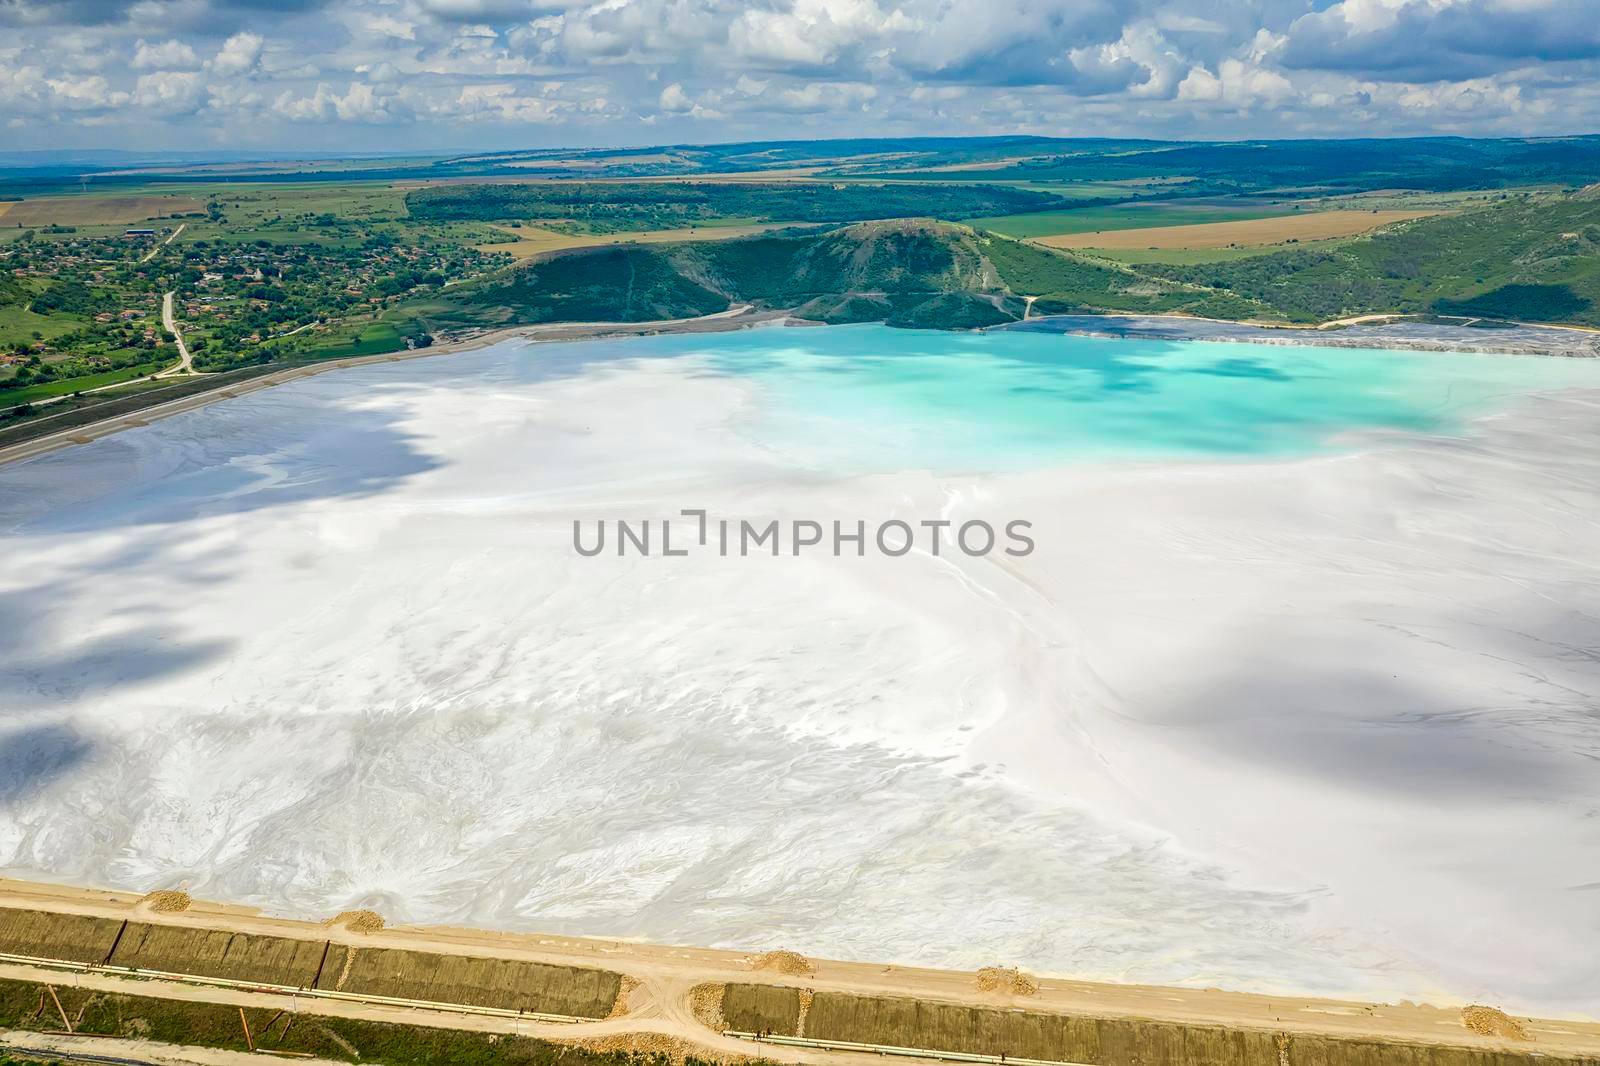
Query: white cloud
[
  {"x": 170, "y": 92},
  {"x": 489, "y": 10},
  {"x": 359, "y": 103},
  {"x": 239, "y": 55},
  {"x": 812, "y": 32},
  {"x": 501, "y": 103},
  {"x": 92, "y": 93},
  {"x": 822, "y": 96},
  {"x": 382, "y": 24},
  {"x": 1113, "y": 67},
  {"x": 674, "y": 99},
  {"x": 168, "y": 55},
  {"x": 1236, "y": 84}
]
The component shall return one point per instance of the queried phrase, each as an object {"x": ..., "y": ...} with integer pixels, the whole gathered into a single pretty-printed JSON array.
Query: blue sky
[{"x": 401, "y": 75}]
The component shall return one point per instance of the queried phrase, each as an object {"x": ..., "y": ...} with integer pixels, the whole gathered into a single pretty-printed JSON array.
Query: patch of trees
[
  {"x": 1532, "y": 303},
  {"x": 71, "y": 297}
]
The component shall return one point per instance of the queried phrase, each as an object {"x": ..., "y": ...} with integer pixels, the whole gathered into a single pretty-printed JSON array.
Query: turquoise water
[{"x": 879, "y": 398}]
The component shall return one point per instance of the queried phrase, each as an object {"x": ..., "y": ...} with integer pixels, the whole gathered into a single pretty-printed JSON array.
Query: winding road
[{"x": 185, "y": 364}]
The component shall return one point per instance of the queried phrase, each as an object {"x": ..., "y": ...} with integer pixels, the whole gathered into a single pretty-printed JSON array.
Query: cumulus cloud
[
  {"x": 488, "y": 10},
  {"x": 673, "y": 98},
  {"x": 607, "y": 71},
  {"x": 1236, "y": 84},
  {"x": 92, "y": 94},
  {"x": 813, "y": 32},
  {"x": 361, "y": 103},
  {"x": 824, "y": 96},
  {"x": 170, "y": 92},
  {"x": 674, "y": 101},
  {"x": 215, "y": 16},
  {"x": 168, "y": 55},
  {"x": 1425, "y": 40},
  {"x": 239, "y": 54}
]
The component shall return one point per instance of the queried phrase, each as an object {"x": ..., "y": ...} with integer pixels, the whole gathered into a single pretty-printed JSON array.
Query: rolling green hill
[
  {"x": 907, "y": 272},
  {"x": 1534, "y": 259},
  {"x": 1530, "y": 258}
]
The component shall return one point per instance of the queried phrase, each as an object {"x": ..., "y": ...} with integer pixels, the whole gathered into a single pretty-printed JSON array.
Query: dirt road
[
  {"x": 169, "y": 319},
  {"x": 170, "y": 238},
  {"x": 109, "y": 1049}
]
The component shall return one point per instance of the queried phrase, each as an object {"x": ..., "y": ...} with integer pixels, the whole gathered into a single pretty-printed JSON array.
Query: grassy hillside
[
  {"x": 1534, "y": 258},
  {"x": 1531, "y": 258},
  {"x": 905, "y": 272}
]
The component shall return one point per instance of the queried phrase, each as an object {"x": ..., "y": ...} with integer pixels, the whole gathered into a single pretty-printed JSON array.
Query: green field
[
  {"x": 376, "y": 338},
  {"x": 68, "y": 386},
  {"x": 17, "y": 325},
  {"x": 1118, "y": 217}
]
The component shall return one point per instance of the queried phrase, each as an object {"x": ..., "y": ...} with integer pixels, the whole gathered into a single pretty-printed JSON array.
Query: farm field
[
  {"x": 1094, "y": 219},
  {"x": 254, "y": 205},
  {"x": 1194, "y": 256},
  {"x": 1319, "y": 225},
  {"x": 94, "y": 209}
]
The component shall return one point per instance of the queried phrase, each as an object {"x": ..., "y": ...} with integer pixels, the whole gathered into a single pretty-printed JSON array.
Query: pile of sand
[
  {"x": 784, "y": 962},
  {"x": 358, "y": 921},
  {"x": 806, "y": 996},
  {"x": 167, "y": 901},
  {"x": 651, "y": 1045},
  {"x": 1491, "y": 1021},
  {"x": 1007, "y": 979},
  {"x": 705, "y": 1003},
  {"x": 620, "y": 1007}
]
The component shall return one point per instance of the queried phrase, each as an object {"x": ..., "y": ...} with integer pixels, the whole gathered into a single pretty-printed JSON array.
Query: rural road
[
  {"x": 170, "y": 321},
  {"x": 112, "y": 1051},
  {"x": 174, "y": 236},
  {"x": 183, "y": 366}
]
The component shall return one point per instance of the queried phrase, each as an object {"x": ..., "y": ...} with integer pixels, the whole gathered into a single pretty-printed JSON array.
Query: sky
[{"x": 449, "y": 75}]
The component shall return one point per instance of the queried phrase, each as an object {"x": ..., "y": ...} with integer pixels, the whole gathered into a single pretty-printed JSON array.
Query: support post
[{"x": 64, "y": 1019}]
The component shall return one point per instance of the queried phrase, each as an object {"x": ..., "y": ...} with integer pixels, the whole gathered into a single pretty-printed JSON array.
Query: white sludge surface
[{"x": 1326, "y": 723}]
